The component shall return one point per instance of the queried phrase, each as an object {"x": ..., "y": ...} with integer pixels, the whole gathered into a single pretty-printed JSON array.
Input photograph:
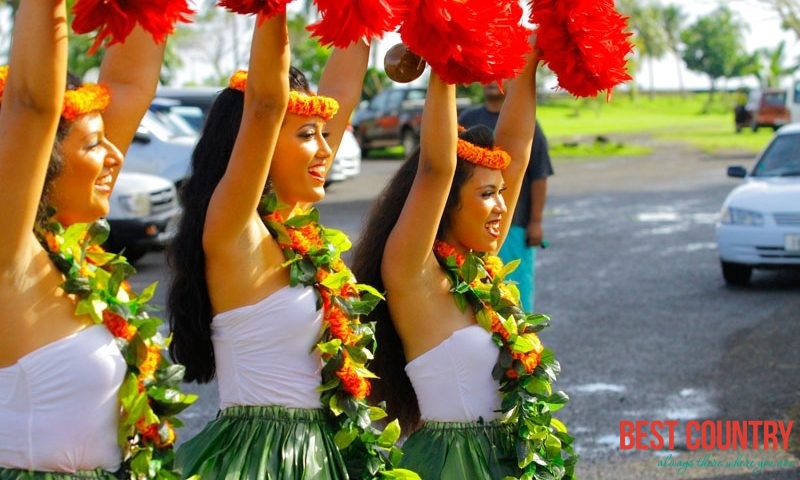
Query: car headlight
[
  {"x": 138, "y": 204},
  {"x": 740, "y": 216}
]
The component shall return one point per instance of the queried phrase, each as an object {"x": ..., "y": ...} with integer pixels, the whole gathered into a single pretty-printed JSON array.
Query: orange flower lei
[
  {"x": 313, "y": 254},
  {"x": 150, "y": 395},
  {"x": 525, "y": 369},
  {"x": 496, "y": 158},
  {"x": 3, "y": 76},
  {"x": 299, "y": 103},
  {"x": 87, "y": 98}
]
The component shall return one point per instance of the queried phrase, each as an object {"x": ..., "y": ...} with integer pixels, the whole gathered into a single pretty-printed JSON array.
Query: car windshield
[
  {"x": 781, "y": 158},
  {"x": 176, "y": 122}
]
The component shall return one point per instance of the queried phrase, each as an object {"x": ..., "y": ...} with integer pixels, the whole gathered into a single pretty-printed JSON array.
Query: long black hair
[
  {"x": 188, "y": 300},
  {"x": 44, "y": 211},
  {"x": 394, "y": 386}
]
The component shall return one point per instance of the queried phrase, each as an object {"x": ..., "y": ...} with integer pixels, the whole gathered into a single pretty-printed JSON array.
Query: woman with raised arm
[
  {"x": 80, "y": 359},
  {"x": 428, "y": 243},
  {"x": 260, "y": 297}
]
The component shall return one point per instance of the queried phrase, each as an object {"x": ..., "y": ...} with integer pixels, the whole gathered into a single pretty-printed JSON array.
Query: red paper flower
[
  {"x": 115, "y": 19},
  {"x": 343, "y": 22},
  {"x": 267, "y": 8},
  {"x": 467, "y": 41},
  {"x": 584, "y": 42}
]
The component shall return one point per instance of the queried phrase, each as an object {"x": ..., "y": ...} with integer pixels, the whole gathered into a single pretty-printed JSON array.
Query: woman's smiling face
[
  {"x": 301, "y": 160},
  {"x": 91, "y": 163},
  {"x": 475, "y": 222}
]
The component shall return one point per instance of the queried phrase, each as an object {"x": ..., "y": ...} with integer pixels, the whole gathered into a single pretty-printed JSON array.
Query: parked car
[
  {"x": 764, "y": 108},
  {"x": 193, "y": 104},
  {"x": 143, "y": 214},
  {"x": 759, "y": 225},
  {"x": 160, "y": 149},
  {"x": 392, "y": 118},
  {"x": 347, "y": 163},
  {"x": 198, "y": 97},
  {"x": 183, "y": 118}
]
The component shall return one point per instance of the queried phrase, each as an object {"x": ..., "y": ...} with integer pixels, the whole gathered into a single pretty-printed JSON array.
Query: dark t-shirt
[{"x": 538, "y": 167}]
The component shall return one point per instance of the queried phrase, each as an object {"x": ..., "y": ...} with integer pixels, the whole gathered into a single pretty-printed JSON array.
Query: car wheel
[
  {"x": 409, "y": 141},
  {"x": 736, "y": 274}
]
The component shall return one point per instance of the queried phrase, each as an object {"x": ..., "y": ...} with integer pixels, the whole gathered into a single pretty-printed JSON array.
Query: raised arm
[
  {"x": 343, "y": 79},
  {"x": 514, "y": 133},
  {"x": 235, "y": 200},
  {"x": 131, "y": 71},
  {"x": 29, "y": 113},
  {"x": 411, "y": 241}
]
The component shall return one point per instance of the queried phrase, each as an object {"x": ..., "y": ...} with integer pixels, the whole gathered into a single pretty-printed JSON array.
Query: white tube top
[
  {"x": 453, "y": 380},
  {"x": 265, "y": 353},
  {"x": 59, "y": 409}
]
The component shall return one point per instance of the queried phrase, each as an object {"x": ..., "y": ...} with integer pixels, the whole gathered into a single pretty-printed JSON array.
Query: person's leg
[{"x": 515, "y": 248}]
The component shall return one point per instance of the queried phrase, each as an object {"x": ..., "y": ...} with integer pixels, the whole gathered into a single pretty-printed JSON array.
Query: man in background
[{"x": 526, "y": 232}]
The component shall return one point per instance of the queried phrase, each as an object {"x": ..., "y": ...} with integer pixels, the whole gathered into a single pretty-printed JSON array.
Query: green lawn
[
  {"x": 593, "y": 127},
  {"x": 584, "y": 129}
]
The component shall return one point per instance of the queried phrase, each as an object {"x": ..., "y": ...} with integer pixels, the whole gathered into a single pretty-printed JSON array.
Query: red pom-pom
[
  {"x": 343, "y": 23},
  {"x": 267, "y": 8},
  {"x": 115, "y": 19},
  {"x": 467, "y": 41},
  {"x": 584, "y": 42}
]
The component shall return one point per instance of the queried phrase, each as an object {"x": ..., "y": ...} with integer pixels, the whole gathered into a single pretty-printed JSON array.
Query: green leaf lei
[
  {"x": 313, "y": 255},
  {"x": 149, "y": 397},
  {"x": 525, "y": 370}
]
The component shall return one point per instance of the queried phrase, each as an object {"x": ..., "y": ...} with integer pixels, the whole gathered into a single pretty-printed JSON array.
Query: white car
[
  {"x": 347, "y": 163},
  {"x": 759, "y": 225},
  {"x": 160, "y": 149},
  {"x": 143, "y": 215}
]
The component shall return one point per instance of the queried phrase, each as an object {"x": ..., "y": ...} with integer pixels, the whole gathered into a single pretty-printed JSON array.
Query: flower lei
[
  {"x": 313, "y": 256},
  {"x": 149, "y": 396},
  {"x": 299, "y": 103},
  {"x": 495, "y": 158},
  {"x": 525, "y": 369}
]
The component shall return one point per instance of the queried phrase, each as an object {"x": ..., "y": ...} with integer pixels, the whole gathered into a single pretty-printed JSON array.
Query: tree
[
  {"x": 789, "y": 13},
  {"x": 774, "y": 61},
  {"x": 713, "y": 46},
  {"x": 649, "y": 36},
  {"x": 672, "y": 20}
]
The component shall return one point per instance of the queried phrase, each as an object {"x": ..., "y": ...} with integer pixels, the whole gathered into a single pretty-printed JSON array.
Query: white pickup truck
[{"x": 143, "y": 215}]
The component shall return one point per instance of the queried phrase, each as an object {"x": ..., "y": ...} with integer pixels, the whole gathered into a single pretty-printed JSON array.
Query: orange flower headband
[
  {"x": 495, "y": 158},
  {"x": 87, "y": 98},
  {"x": 299, "y": 103}
]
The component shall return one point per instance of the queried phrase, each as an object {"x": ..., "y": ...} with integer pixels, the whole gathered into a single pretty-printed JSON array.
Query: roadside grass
[
  {"x": 587, "y": 129},
  {"x": 582, "y": 129}
]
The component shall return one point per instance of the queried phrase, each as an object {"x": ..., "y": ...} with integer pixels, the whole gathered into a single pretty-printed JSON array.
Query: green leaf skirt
[
  {"x": 97, "y": 474},
  {"x": 461, "y": 450},
  {"x": 264, "y": 442}
]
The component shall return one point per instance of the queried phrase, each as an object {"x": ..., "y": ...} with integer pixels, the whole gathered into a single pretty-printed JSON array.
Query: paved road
[{"x": 643, "y": 323}]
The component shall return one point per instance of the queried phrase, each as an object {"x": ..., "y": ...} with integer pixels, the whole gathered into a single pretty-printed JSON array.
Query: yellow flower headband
[
  {"x": 87, "y": 98},
  {"x": 495, "y": 158},
  {"x": 299, "y": 103}
]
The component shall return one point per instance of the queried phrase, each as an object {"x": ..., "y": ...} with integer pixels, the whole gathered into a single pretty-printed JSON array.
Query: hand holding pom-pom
[{"x": 402, "y": 65}]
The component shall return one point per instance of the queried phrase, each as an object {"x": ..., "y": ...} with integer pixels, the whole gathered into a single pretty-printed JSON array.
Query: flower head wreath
[
  {"x": 88, "y": 98},
  {"x": 495, "y": 158},
  {"x": 299, "y": 103}
]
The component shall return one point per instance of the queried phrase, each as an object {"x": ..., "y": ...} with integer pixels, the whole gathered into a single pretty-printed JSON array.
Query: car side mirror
[
  {"x": 142, "y": 135},
  {"x": 737, "y": 171}
]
